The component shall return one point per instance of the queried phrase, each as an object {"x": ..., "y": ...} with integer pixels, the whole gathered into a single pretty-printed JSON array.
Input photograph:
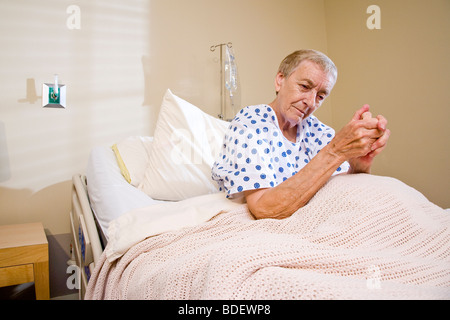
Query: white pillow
[
  {"x": 110, "y": 195},
  {"x": 185, "y": 144},
  {"x": 132, "y": 156}
]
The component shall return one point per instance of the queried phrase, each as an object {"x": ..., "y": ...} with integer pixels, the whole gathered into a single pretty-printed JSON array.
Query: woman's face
[{"x": 300, "y": 94}]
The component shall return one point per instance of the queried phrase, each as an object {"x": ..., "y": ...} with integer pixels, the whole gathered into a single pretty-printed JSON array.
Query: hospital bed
[{"x": 139, "y": 233}]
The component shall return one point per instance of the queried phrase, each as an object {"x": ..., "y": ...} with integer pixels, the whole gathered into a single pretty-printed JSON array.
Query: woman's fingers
[
  {"x": 382, "y": 122},
  {"x": 358, "y": 114},
  {"x": 381, "y": 142},
  {"x": 366, "y": 115},
  {"x": 363, "y": 135}
]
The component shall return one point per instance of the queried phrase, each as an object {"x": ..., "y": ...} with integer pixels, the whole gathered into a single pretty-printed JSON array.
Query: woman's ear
[{"x": 279, "y": 80}]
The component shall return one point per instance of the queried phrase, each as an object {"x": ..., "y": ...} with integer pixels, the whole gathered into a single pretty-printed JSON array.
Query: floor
[{"x": 26, "y": 292}]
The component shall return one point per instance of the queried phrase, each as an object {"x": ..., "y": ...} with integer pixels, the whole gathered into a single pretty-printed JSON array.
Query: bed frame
[{"x": 86, "y": 246}]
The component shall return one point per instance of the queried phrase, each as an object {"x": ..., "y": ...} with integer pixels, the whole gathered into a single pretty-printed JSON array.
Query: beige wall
[
  {"x": 116, "y": 68},
  {"x": 101, "y": 66},
  {"x": 403, "y": 72}
]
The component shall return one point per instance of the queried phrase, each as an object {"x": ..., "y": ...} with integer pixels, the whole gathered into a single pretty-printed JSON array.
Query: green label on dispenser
[{"x": 52, "y": 97}]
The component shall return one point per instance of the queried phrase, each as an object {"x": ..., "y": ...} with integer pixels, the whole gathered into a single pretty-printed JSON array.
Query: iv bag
[{"x": 230, "y": 72}]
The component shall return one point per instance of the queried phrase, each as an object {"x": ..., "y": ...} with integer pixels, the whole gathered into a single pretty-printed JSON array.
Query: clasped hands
[{"x": 361, "y": 140}]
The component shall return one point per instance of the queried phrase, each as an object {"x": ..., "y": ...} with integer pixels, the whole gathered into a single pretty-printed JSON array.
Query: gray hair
[{"x": 292, "y": 61}]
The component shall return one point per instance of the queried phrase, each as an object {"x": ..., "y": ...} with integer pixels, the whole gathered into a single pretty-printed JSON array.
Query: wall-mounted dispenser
[{"x": 54, "y": 94}]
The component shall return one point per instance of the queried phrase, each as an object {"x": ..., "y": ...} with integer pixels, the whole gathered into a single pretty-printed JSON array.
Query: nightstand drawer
[{"x": 11, "y": 276}]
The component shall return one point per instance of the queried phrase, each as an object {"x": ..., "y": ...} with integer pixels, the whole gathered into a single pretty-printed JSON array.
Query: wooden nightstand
[{"x": 24, "y": 257}]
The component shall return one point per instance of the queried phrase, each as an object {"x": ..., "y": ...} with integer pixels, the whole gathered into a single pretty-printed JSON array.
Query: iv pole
[{"x": 222, "y": 79}]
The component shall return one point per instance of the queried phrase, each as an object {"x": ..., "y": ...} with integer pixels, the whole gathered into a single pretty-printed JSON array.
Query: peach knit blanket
[{"x": 360, "y": 237}]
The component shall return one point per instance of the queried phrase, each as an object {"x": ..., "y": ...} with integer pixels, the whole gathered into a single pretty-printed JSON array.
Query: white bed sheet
[{"x": 110, "y": 194}]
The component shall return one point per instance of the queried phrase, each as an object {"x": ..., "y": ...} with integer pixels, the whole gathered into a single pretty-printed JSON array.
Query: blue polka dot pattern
[{"x": 255, "y": 154}]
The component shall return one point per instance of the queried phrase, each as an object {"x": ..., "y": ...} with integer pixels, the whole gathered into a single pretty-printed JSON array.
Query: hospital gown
[{"x": 255, "y": 154}]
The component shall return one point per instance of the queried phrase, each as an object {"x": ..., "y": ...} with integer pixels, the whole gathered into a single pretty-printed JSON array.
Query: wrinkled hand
[
  {"x": 363, "y": 164},
  {"x": 361, "y": 140}
]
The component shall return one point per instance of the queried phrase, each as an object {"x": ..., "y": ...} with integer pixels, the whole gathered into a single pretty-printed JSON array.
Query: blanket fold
[
  {"x": 360, "y": 237},
  {"x": 162, "y": 217}
]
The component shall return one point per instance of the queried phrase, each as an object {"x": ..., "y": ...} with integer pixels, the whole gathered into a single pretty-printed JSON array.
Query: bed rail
[{"x": 86, "y": 244}]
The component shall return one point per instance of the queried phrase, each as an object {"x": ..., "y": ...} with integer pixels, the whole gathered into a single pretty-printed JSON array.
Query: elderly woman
[{"x": 271, "y": 152}]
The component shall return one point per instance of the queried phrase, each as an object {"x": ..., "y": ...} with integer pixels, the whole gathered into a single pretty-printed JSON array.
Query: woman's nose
[{"x": 310, "y": 99}]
